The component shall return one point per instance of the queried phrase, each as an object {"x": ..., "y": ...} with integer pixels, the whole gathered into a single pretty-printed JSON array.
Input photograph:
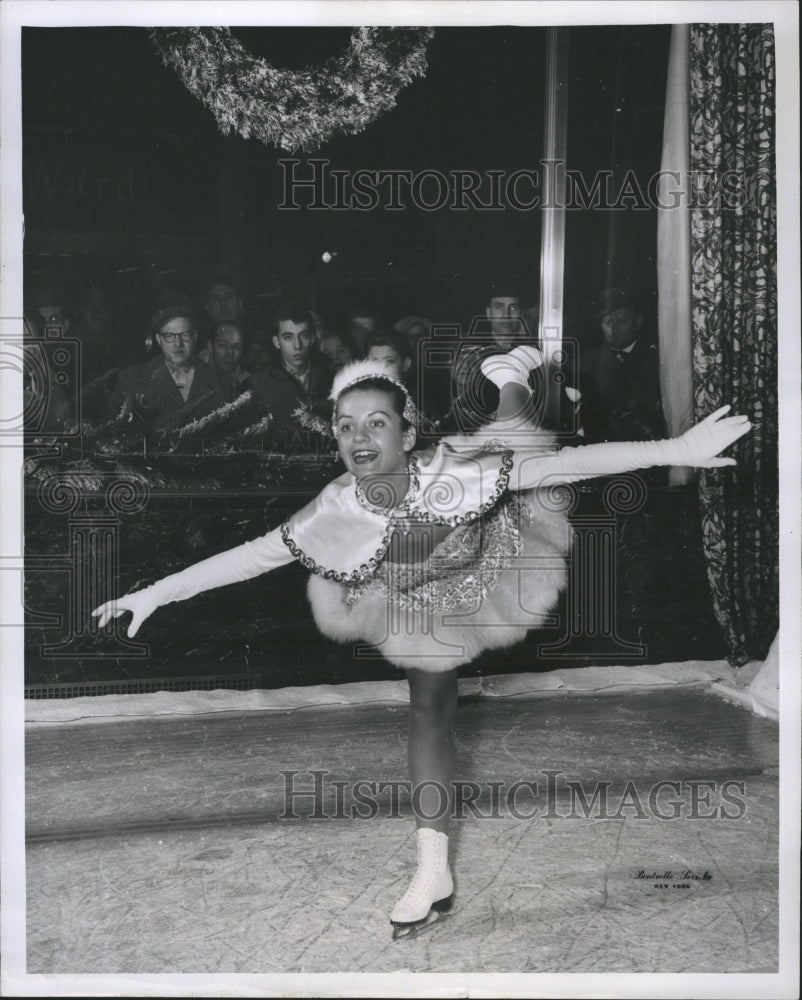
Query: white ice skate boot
[
  {"x": 432, "y": 888},
  {"x": 515, "y": 366}
]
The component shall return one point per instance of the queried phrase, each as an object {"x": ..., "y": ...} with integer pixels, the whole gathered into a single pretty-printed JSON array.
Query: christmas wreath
[{"x": 295, "y": 109}]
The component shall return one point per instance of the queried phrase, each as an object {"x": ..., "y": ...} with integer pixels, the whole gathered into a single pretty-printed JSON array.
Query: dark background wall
[{"x": 128, "y": 184}]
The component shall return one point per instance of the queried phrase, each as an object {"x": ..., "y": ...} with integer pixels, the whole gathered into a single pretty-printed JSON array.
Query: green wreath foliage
[{"x": 295, "y": 109}]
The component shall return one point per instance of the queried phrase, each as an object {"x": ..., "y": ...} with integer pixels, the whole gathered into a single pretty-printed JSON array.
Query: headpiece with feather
[{"x": 362, "y": 371}]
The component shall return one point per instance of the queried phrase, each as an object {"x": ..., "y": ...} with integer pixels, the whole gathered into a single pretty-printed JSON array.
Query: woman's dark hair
[{"x": 379, "y": 384}]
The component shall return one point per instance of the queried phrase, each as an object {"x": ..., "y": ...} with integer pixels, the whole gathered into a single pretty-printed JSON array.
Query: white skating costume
[
  {"x": 498, "y": 571},
  {"x": 496, "y": 574}
]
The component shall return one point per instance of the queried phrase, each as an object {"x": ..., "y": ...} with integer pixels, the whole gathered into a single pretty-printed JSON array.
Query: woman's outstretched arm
[
  {"x": 699, "y": 447},
  {"x": 243, "y": 562}
]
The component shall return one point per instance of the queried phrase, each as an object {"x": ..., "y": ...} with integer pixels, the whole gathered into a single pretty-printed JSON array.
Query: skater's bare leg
[{"x": 432, "y": 708}]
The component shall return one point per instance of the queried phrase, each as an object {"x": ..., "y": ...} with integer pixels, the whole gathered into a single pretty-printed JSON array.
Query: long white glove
[
  {"x": 700, "y": 447},
  {"x": 243, "y": 562}
]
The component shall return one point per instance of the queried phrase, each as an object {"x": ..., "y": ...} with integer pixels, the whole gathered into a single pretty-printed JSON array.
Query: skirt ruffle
[{"x": 434, "y": 625}]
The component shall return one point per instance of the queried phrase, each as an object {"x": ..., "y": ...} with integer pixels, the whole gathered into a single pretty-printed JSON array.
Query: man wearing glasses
[{"x": 175, "y": 387}]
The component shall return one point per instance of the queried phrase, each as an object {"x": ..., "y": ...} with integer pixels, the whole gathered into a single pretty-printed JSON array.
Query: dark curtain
[{"x": 734, "y": 309}]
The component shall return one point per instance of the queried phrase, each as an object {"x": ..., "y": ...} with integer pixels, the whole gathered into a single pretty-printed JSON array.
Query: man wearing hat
[
  {"x": 620, "y": 379},
  {"x": 44, "y": 304},
  {"x": 474, "y": 399},
  {"x": 176, "y": 387}
]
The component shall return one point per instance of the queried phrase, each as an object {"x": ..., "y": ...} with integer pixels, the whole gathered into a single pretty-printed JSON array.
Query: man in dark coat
[
  {"x": 176, "y": 387},
  {"x": 474, "y": 399},
  {"x": 297, "y": 381},
  {"x": 620, "y": 379}
]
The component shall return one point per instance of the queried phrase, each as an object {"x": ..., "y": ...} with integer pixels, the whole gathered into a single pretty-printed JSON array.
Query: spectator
[
  {"x": 505, "y": 310},
  {"x": 620, "y": 379},
  {"x": 177, "y": 386},
  {"x": 474, "y": 399},
  {"x": 46, "y": 406},
  {"x": 295, "y": 382},
  {"x": 46, "y": 313},
  {"x": 415, "y": 329},
  {"x": 261, "y": 353},
  {"x": 110, "y": 335},
  {"x": 318, "y": 325},
  {"x": 362, "y": 321},
  {"x": 226, "y": 350},
  {"x": 338, "y": 348},
  {"x": 392, "y": 349},
  {"x": 223, "y": 301}
]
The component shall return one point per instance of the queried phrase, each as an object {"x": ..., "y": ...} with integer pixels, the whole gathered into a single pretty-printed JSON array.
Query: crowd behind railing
[{"x": 207, "y": 368}]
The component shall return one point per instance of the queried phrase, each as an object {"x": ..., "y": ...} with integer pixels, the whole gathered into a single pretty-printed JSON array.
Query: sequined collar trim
[
  {"x": 391, "y": 515},
  {"x": 454, "y": 520},
  {"x": 407, "y": 509},
  {"x": 363, "y": 573}
]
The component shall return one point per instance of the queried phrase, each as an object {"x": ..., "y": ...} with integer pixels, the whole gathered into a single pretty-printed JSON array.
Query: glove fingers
[{"x": 106, "y": 613}]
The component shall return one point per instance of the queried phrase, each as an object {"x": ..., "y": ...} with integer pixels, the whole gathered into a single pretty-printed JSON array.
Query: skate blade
[{"x": 439, "y": 912}]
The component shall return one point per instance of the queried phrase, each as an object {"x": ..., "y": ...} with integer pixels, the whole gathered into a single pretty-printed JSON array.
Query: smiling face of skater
[{"x": 373, "y": 437}]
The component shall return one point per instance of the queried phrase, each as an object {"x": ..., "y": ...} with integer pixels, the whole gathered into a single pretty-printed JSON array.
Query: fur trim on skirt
[{"x": 439, "y": 635}]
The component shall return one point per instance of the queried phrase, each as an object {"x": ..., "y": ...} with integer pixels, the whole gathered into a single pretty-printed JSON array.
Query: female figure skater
[{"x": 417, "y": 556}]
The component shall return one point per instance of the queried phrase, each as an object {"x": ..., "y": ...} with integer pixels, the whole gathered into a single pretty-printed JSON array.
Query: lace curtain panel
[{"x": 734, "y": 319}]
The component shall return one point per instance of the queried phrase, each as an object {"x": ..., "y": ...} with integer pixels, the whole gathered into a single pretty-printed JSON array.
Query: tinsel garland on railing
[
  {"x": 230, "y": 447},
  {"x": 308, "y": 417},
  {"x": 190, "y": 475},
  {"x": 295, "y": 109},
  {"x": 228, "y": 428},
  {"x": 217, "y": 417}
]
